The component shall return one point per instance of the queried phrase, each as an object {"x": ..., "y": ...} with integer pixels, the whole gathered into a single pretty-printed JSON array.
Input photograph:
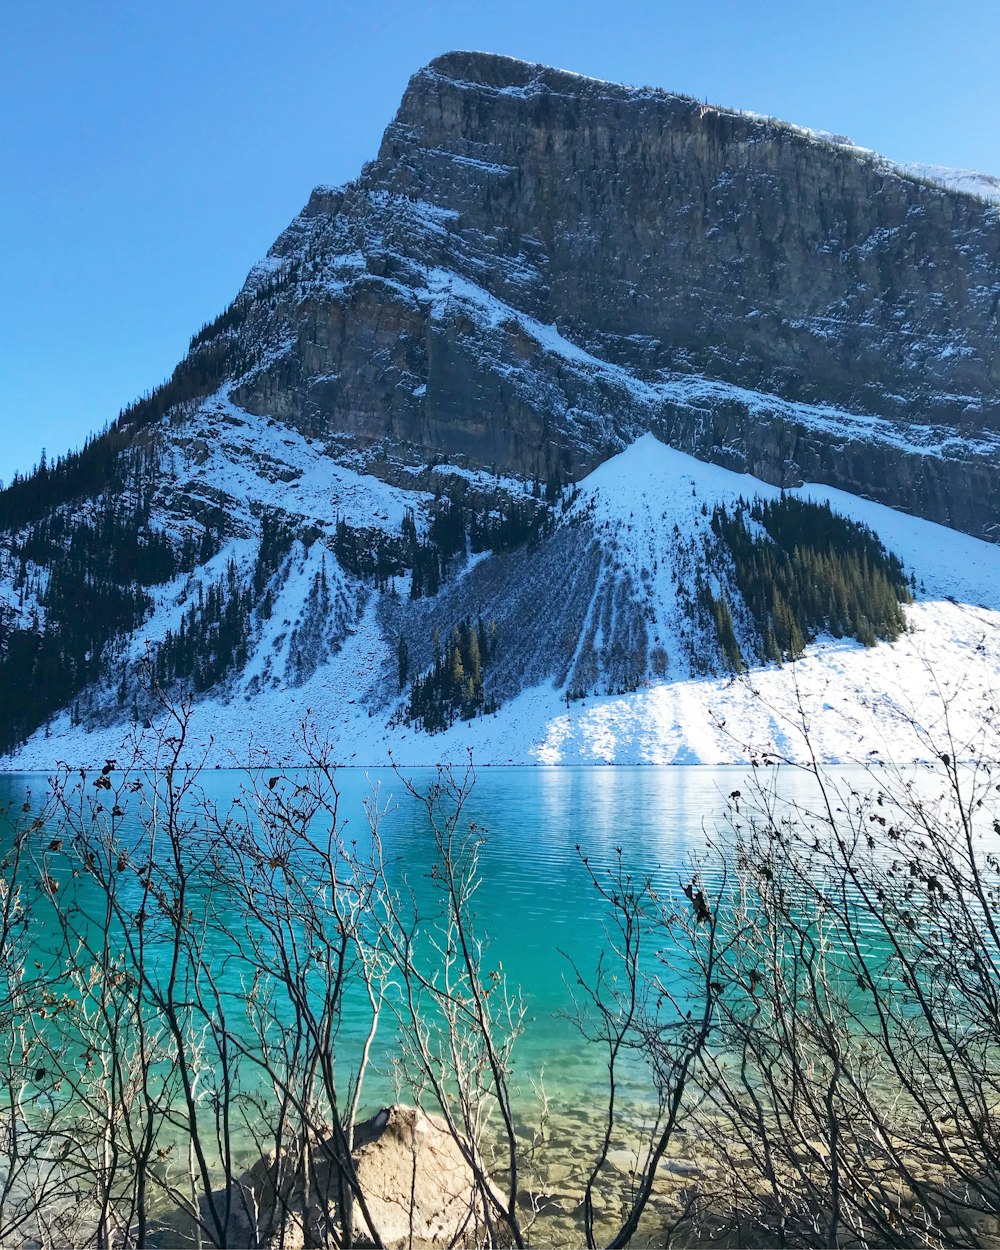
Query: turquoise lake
[{"x": 536, "y": 904}]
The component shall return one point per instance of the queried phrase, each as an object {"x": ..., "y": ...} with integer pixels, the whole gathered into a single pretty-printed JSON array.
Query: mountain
[
  {"x": 559, "y": 264},
  {"x": 522, "y": 419}
]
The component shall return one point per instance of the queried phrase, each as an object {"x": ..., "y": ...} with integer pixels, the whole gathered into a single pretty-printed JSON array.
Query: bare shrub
[
  {"x": 855, "y": 1078},
  {"x": 817, "y": 1002}
]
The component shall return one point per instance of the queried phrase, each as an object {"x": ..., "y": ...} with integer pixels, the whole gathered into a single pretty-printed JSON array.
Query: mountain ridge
[
  {"x": 377, "y": 453},
  {"x": 975, "y": 183}
]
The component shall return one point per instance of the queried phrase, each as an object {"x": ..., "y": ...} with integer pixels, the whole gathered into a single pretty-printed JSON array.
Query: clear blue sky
[{"x": 151, "y": 152}]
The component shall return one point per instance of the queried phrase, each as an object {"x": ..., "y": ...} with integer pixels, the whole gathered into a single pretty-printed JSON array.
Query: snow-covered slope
[
  {"x": 968, "y": 181},
  {"x": 645, "y": 510}
]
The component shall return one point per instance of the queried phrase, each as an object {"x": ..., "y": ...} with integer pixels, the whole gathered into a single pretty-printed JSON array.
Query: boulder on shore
[{"x": 417, "y": 1185}]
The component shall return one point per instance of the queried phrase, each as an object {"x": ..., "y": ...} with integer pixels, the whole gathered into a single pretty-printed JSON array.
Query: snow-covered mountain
[
  {"x": 506, "y": 444},
  {"x": 614, "y": 572},
  {"x": 965, "y": 181}
]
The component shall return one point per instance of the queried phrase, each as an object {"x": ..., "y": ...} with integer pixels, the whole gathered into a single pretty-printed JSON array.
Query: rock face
[{"x": 538, "y": 267}]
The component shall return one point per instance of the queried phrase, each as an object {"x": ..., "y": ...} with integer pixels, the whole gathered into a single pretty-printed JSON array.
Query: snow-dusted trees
[{"x": 89, "y": 578}]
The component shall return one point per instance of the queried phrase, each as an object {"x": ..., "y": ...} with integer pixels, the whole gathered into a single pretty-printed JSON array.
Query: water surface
[{"x": 536, "y": 905}]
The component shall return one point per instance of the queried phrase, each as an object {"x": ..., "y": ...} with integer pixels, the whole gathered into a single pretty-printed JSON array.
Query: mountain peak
[
  {"x": 377, "y": 443},
  {"x": 493, "y": 72},
  {"x": 498, "y": 71}
]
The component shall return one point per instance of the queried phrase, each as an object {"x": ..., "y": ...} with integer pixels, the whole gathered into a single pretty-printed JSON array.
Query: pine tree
[{"x": 474, "y": 665}]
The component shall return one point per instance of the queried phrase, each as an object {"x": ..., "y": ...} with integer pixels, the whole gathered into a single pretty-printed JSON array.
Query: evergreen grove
[
  {"x": 809, "y": 572},
  {"x": 452, "y": 688}
]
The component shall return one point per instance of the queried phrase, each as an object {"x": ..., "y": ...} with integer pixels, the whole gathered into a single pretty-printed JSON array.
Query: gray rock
[{"x": 718, "y": 268}]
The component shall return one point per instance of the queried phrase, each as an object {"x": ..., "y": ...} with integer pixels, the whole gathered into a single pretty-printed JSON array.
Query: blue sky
[{"x": 151, "y": 152}]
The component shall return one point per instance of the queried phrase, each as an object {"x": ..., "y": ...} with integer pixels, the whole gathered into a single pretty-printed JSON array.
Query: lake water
[{"x": 536, "y": 904}]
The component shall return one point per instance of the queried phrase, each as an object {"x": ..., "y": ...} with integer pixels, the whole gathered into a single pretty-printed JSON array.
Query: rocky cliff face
[{"x": 540, "y": 266}]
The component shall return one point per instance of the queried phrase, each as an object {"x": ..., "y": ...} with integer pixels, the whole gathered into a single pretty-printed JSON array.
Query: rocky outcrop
[
  {"x": 418, "y": 1190},
  {"x": 538, "y": 267}
]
